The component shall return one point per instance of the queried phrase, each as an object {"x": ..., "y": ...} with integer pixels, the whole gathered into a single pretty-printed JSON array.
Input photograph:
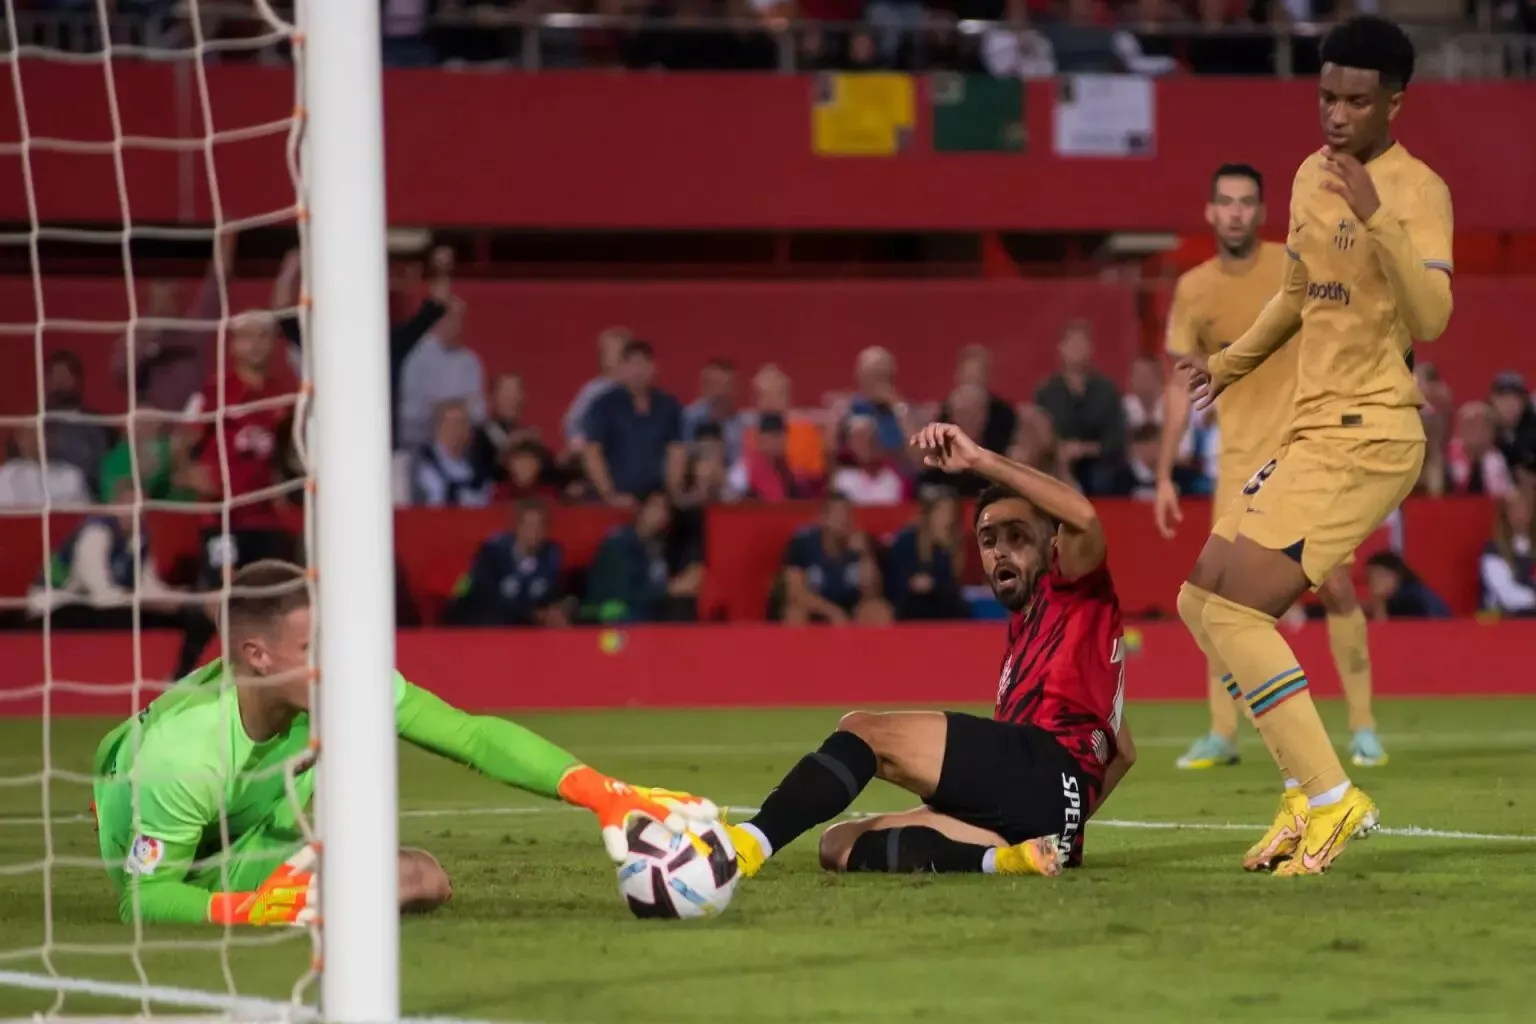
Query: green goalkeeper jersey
[{"x": 188, "y": 805}]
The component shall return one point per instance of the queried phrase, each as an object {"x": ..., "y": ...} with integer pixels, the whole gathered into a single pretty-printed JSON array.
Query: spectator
[
  {"x": 1085, "y": 409},
  {"x": 1034, "y": 443},
  {"x": 877, "y": 399},
  {"x": 1507, "y": 569},
  {"x": 867, "y": 476},
  {"x": 830, "y": 574},
  {"x": 515, "y": 578},
  {"x": 922, "y": 565},
  {"x": 406, "y": 43},
  {"x": 503, "y": 430},
  {"x": 440, "y": 369},
  {"x": 445, "y": 475},
  {"x": 1516, "y": 420},
  {"x": 640, "y": 575},
  {"x": 91, "y": 582},
  {"x": 1435, "y": 413},
  {"x": 969, "y": 407},
  {"x": 1136, "y": 477},
  {"x": 704, "y": 484},
  {"x": 527, "y": 474},
  {"x": 610, "y": 352},
  {"x": 26, "y": 483},
  {"x": 1396, "y": 592},
  {"x": 634, "y": 434},
  {"x": 1474, "y": 465},
  {"x": 974, "y": 369},
  {"x": 805, "y": 443},
  {"x": 764, "y": 472},
  {"x": 1143, "y": 401},
  {"x": 248, "y": 457},
  {"x": 716, "y": 404},
  {"x": 82, "y": 445},
  {"x": 171, "y": 363},
  {"x": 404, "y": 335},
  {"x": 164, "y": 471}
]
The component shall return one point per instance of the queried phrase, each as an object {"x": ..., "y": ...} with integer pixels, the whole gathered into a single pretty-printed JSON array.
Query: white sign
[{"x": 1105, "y": 116}]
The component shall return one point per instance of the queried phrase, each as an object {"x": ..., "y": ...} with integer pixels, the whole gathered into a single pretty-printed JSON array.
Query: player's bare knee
[
  {"x": 424, "y": 885},
  {"x": 832, "y": 850},
  {"x": 863, "y": 724}
]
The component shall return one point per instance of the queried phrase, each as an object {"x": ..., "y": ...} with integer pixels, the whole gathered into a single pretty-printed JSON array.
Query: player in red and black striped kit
[{"x": 1006, "y": 795}]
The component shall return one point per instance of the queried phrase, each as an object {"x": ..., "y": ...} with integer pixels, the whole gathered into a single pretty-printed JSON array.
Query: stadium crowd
[
  {"x": 1005, "y": 38},
  {"x": 461, "y": 440}
]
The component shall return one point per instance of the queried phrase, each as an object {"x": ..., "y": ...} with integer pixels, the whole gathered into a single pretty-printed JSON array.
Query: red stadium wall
[
  {"x": 715, "y": 666},
  {"x": 571, "y": 150},
  {"x": 548, "y": 331},
  {"x": 746, "y": 543}
]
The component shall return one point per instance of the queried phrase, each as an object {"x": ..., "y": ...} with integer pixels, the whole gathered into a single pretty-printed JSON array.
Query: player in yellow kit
[
  {"x": 1369, "y": 272},
  {"x": 1213, "y": 304}
]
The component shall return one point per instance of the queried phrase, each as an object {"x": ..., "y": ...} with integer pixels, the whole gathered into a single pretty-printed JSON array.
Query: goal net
[{"x": 156, "y": 162}]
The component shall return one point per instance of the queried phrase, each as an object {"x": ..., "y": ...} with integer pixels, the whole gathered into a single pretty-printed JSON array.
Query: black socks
[{"x": 818, "y": 788}]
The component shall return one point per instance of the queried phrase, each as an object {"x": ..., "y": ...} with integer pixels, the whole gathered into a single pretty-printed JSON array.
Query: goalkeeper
[{"x": 216, "y": 833}]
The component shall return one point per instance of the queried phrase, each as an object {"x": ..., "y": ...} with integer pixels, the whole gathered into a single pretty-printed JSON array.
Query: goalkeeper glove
[
  {"x": 615, "y": 803},
  {"x": 289, "y": 896}
]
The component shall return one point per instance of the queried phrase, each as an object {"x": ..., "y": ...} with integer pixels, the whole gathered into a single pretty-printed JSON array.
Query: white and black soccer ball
[{"x": 688, "y": 875}]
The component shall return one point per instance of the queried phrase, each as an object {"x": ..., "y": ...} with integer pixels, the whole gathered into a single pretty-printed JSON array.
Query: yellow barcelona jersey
[
  {"x": 1354, "y": 359},
  {"x": 1213, "y": 305}
]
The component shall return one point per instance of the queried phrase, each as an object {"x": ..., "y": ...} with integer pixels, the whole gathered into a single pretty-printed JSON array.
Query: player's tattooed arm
[{"x": 1079, "y": 537}]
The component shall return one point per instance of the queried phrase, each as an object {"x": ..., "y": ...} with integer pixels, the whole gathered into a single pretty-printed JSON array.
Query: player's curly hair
[{"x": 1373, "y": 44}]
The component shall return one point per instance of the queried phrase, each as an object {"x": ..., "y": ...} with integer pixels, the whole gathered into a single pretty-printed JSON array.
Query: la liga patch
[{"x": 145, "y": 855}]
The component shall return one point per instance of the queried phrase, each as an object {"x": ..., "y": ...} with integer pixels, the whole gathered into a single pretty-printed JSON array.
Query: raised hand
[{"x": 947, "y": 447}]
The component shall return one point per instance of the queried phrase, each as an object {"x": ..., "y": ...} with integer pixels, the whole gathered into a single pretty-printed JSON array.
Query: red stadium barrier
[
  {"x": 730, "y": 151},
  {"x": 745, "y": 544},
  {"x": 735, "y": 666}
]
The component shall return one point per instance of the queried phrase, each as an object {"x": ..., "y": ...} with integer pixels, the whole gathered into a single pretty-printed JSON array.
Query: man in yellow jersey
[
  {"x": 1213, "y": 305},
  {"x": 1369, "y": 273}
]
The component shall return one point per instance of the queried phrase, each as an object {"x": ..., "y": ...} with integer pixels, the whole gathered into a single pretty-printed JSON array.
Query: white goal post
[{"x": 357, "y": 786}]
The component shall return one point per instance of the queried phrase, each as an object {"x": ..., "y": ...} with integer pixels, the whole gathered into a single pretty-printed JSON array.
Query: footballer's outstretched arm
[
  {"x": 1277, "y": 322},
  {"x": 518, "y": 757}
]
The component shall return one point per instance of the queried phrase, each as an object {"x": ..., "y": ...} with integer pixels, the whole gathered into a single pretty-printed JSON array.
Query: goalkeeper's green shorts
[{"x": 250, "y": 860}]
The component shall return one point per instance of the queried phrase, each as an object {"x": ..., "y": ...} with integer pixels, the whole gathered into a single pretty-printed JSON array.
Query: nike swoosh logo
[{"x": 1314, "y": 861}]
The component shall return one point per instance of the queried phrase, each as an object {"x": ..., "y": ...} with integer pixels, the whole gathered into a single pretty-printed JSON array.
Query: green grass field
[{"x": 1161, "y": 925}]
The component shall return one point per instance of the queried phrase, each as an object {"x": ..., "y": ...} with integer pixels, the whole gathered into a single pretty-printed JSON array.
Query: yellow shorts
[{"x": 1321, "y": 496}]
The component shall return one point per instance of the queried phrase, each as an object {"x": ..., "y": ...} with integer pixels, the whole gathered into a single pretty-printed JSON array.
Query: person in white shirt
[
  {"x": 26, "y": 483},
  {"x": 867, "y": 478},
  {"x": 440, "y": 369},
  {"x": 1507, "y": 569},
  {"x": 93, "y": 579}
]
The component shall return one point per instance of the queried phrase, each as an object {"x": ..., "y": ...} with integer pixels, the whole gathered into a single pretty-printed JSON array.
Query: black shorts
[{"x": 1015, "y": 780}]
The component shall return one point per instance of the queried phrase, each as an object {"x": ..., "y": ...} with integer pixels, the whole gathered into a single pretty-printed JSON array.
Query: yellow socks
[
  {"x": 1191, "y": 607},
  {"x": 1223, "y": 707},
  {"x": 1352, "y": 655},
  {"x": 1275, "y": 690}
]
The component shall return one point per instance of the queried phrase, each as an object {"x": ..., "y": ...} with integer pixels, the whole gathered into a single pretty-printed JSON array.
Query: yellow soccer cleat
[
  {"x": 749, "y": 853},
  {"x": 1329, "y": 830},
  {"x": 1284, "y": 835},
  {"x": 1040, "y": 856}
]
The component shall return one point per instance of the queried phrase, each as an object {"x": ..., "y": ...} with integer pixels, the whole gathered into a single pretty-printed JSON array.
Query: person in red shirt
[
  {"x": 243, "y": 433},
  {"x": 1005, "y": 795}
]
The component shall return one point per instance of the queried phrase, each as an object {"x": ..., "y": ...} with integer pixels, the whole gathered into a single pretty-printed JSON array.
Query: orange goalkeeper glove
[
  {"x": 289, "y": 896},
  {"x": 615, "y": 803}
]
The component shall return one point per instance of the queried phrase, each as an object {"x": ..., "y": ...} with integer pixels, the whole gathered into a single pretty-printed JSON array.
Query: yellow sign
[{"x": 862, "y": 114}]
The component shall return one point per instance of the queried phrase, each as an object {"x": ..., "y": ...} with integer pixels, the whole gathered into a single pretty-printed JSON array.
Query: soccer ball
[{"x": 688, "y": 875}]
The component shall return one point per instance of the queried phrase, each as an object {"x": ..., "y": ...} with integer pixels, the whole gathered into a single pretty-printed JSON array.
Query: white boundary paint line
[
  {"x": 1406, "y": 831},
  {"x": 245, "y": 1009}
]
